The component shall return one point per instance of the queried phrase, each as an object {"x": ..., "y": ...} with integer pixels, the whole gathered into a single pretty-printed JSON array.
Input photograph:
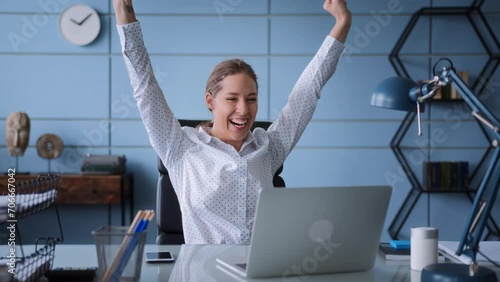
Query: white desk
[{"x": 197, "y": 263}]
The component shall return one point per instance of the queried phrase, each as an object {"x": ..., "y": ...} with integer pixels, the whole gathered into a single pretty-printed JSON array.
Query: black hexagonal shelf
[{"x": 492, "y": 48}]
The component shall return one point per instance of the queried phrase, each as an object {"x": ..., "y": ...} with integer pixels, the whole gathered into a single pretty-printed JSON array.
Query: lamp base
[{"x": 457, "y": 273}]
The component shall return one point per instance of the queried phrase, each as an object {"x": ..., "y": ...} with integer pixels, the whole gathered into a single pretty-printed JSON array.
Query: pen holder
[{"x": 119, "y": 253}]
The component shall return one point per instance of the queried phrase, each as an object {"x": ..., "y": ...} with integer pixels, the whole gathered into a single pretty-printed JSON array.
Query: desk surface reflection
[{"x": 198, "y": 263}]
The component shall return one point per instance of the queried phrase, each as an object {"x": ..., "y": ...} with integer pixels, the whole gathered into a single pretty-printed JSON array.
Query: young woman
[{"x": 218, "y": 169}]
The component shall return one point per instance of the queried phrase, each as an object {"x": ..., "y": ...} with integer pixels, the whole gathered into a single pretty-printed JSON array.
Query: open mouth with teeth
[{"x": 239, "y": 123}]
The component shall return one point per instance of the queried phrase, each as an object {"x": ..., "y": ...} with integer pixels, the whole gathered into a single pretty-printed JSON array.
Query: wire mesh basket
[
  {"x": 22, "y": 200},
  {"x": 32, "y": 267}
]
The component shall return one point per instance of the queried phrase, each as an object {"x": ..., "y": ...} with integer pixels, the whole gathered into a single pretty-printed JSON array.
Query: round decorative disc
[{"x": 49, "y": 146}]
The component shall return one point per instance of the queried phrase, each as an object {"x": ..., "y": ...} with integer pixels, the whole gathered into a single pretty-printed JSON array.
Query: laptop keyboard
[{"x": 242, "y": 265}]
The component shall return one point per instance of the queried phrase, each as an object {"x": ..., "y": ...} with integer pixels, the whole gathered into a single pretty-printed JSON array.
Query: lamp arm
[
  {"x": 420, "y": 94},
  {"x": 480, "y": 210},
  {"x": 483, "y": 203},
  {"x": 478, "y": 108}
]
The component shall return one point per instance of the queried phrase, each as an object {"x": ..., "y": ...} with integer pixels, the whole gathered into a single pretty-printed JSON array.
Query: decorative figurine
[{"x": 17, "y": 133}]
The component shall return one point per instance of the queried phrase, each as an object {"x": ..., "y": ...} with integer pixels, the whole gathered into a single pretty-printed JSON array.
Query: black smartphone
[{"x": 164, "y": 256}]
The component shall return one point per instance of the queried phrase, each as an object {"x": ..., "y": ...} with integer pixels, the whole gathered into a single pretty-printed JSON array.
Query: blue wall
[{"x": 83, "y": 94}]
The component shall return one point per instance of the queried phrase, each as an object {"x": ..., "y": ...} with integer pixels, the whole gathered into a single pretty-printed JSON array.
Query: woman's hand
[
  {"x": 338, "y": 9},
  {"x": 124, "y": 12},
  {"x": 343, "y": 17}
]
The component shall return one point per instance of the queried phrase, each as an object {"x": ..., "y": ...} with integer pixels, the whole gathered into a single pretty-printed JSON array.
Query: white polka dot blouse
[{"x": 216, "y": 185}]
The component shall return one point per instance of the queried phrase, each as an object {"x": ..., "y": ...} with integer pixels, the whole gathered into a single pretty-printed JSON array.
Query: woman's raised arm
[
  {"x": 338, "y": 9},
  {"x": 124, "y": 12}
]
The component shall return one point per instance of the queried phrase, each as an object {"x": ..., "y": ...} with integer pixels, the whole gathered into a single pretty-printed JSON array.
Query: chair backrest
[{"x": 168, "y": 213}]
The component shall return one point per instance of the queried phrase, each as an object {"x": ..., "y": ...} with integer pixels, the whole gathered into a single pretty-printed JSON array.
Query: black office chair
[{"x": 168, "y": 212}]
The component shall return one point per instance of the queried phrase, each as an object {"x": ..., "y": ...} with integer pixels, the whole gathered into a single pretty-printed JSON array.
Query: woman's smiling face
[{"x": 234, "y": 108}]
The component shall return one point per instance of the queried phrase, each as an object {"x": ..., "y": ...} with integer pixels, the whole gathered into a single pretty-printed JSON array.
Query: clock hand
[
  {"x": 82, "y": 21},
  {"x": 74, "y": 21}
]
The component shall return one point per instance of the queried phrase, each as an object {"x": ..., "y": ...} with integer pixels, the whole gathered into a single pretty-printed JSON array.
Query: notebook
[
  {"x": 389, "y": 253},
  {"x": 300, "y": 231}
]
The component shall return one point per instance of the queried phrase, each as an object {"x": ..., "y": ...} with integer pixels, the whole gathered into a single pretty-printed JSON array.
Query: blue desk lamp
[{"x": 403, "y": 94}]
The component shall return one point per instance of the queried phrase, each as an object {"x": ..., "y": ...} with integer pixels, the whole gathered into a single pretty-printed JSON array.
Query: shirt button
[{"x": 242, "y": 180}]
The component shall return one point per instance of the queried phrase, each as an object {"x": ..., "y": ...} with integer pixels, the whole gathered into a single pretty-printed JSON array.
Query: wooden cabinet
[{"x": 88, "y": 189}]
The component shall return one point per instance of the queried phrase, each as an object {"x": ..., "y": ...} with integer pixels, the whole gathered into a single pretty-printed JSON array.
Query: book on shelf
[
  {"x": 454, "y": 95},
  {"x": 446, "y": 176},
  {"x": 448, "y": 92}
]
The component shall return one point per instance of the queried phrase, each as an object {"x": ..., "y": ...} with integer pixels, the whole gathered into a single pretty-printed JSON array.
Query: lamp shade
[{"x": 394, "y": 93}]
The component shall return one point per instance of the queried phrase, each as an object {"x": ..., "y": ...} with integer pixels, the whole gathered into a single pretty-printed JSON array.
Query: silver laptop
[{"x": 303, "y": 231}]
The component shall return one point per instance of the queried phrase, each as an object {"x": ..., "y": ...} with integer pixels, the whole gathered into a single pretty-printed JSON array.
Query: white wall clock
[{"x": 79, "y": 24}]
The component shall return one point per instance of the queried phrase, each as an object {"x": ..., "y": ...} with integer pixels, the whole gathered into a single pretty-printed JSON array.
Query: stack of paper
[
  {"x": 491, "y": 249},
  {"x": 4, "y": 201},
  {"x": 26, "y": 204}
]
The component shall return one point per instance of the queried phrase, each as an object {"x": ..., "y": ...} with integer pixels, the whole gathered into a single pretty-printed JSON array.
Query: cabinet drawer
[
  {"x": 89, "y": 190},
  {"x": 83, "y": 189}
]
